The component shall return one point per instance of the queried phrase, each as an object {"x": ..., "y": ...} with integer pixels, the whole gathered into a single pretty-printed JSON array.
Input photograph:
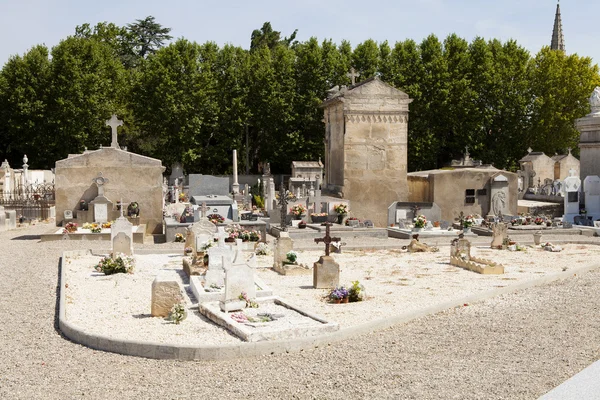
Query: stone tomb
[
  {"x": 239, "y": 281},
  {"x": 121, "y": 236},
  {"x": 166, "y": 292},
  {"x": 288, "y": 321},
  {"x": 222, "y": 205},
  {"x": 460, "y": 256},
  {"x": 198, "y": 237},
  {"x": 206, "y": 185},
  {"x": 280, "y": 264}
]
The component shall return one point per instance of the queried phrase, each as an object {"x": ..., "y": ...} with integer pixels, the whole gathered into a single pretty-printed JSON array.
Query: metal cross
[
  {"x": 283, "y": 204},
  {"x": 327, "y": 239},
  {"x": 204, "y": 208},
  {"x": 353, "y": 75},
  {"x": 114, "y": 123}
]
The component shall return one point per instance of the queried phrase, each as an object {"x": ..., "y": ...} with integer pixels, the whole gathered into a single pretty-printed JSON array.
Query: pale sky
[{"x": 25, "y": 23}]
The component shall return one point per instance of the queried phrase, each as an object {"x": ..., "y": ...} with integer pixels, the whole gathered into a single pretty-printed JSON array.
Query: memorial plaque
[{"x": 100, "y": 212}]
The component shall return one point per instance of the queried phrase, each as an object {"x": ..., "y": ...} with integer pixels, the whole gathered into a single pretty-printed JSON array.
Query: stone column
[{"x": 236, "y": 185}]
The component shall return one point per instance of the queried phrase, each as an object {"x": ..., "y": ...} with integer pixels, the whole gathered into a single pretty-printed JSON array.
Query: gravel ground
[{"x": 515, "y": 346}]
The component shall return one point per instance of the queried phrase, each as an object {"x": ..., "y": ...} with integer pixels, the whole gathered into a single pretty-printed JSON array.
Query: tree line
[{"x": 194, "y": 103}]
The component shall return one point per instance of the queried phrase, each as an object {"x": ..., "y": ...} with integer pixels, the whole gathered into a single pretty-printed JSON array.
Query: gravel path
[{"x": 515, "y": 346}]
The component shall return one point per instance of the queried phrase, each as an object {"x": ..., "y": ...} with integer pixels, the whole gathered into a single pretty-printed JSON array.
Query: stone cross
[
  {"x": 114, "y": 123},
  {"x": 203, "y": 209},
  {"x": 283, "y": 204},
  {"x": 353, "y": 75},
  {"x": 572, "y": 172},
  {"x": 100, "y": 181},
  {"x": 121, "y": 208},
  {"x": 327, "y": 239}
]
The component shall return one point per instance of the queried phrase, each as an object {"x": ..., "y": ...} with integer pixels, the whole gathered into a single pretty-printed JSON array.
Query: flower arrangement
[
  {"x": 319, "y": 214},
  {"x": 262, "y": 249},
  {"x": 236, "y": 232},
  {"x": 70, "y": 227},
  {"x": 96, "y": 228},
  {"x": 356, "y": 292},
  {"x": 539, "y": 221},
  {"x": 420, "y": 221},
  {"x": 182, "y": 197},
  {"x": 339, "y": 293},
  {"x": 250, "y": 303},
  {"x": 468, "y": 221},
  {"x": 178, "y": 313},
  {"x": 341, "y": 209},
  {"x": 291, "y": 256},
  {"x": 107, "y": 225},
  {"x": 179, "y": 238},
  {"x": 350, "y": 219},
  {"x": 298, "y": 210},
  {"x": 216, "y": 219},
  {"x": 119, "y": 263}
]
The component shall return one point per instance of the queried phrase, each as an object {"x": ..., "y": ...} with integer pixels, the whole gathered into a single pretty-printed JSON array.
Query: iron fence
[{"x": 32, "y": 201}]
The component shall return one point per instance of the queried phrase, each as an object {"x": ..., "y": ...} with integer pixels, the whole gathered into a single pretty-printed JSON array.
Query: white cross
[
  {"x": 114, "y": 123},
  {"x": 353, "y": 75},
  {"x": 100, "y": 181}
]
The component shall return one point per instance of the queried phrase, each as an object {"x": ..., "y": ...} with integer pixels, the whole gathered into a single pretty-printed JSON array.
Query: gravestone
[
  {"x": 219, "y": 258},
  {"x": 166, "y": 292},
  {"x": 11, "y": 219},
  {"x": 499, "y": 234},
  {"x": 121, "y": 236},
  {"x": 68, "y": 215},
  {"x": 101, "y": 205},
  {"x": 205, "y": 185},
  {"x": 572, "y": 186},
  {"x": 326, "y": 273},
  {"x": 591, "y": 188},
  {"x": 239, "y": 279}
]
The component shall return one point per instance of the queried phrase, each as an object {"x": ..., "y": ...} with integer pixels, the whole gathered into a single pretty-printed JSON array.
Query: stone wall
[
  {"x": 131, "y": 176},
  {"x": 589, "y": 145}
]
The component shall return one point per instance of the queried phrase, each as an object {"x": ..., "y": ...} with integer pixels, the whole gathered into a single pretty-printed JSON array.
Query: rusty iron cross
[{"x": 327, "y": 239}]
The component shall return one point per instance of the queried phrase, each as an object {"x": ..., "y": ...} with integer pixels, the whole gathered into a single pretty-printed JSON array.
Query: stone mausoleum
[
  {"x": 366, "y": 129},
  {"x": 127, "y": 176}
]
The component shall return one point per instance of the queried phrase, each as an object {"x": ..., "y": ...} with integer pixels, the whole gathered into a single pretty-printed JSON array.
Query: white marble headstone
[
  {"x": 121, "y": 236},
  {"x": 591, "y": 187},
  {"x": 100, "y": 212},
  {"x": 239, "y": 279}
]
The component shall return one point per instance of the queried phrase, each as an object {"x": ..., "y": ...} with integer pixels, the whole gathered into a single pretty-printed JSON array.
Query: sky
[{"x": 26, "y": 23}]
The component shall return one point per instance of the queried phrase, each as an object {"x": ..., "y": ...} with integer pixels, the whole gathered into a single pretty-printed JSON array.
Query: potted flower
[
  {"x": 356, "y": 292},
  {"x": 179, "y": 238},
  {"x": 419, "y": 221},
  {"x": 539, "y": 221},
  {"x": 318, "y": 218},
  {"x": 341, "y": 210},
  {"x": 291, "y": 257},
  {"x": 297, "y": 211},
  {"x": 468, "y": 223},
  {"x": 70, "y": 227},
  {"x": 338, "y": 295},
  {"x": 83, "y": 205},
  {"x": 302, "y": 225}
]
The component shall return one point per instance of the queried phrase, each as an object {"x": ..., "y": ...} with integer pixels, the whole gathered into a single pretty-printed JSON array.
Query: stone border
[{"x": 252, "y": 349}]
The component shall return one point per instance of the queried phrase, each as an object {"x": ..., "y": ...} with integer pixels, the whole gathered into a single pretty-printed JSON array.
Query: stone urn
[{"x": 537, "y": 237}]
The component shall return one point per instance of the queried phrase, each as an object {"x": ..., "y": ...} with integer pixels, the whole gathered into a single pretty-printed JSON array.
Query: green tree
[
  {"x": 561, "y": 85},
  {"x": 24, "y": 108},
  {"x": 267, "y": 37},
  {"x": 365, "y": 59},
  {"x": 147, "y": 36}
]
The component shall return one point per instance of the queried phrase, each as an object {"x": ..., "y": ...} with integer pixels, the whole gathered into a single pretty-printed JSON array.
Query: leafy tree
[
  {"x": 147, "y": 36},
  {"x": 267, "y": 37},
  {"x": 365, "y": 59},
  {"x": 24, "y": 107}
]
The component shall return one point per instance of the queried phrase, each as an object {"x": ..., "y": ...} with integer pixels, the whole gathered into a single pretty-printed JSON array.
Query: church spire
[{"x": 558, "y": 40}]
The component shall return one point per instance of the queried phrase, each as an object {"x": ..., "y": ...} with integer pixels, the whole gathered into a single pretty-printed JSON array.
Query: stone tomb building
[
  {"x": 131, "y": 177},
  {"x": 366, "y": 129}
]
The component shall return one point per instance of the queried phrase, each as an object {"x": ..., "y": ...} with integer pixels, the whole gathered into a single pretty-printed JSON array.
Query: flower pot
[
  {"x": 467, "y": 229},
  {"x": 415, "y": 229},
  {"x": 537, "y": 238},
  {"x": 345, "y": 300},
  {"x": 336, "y": 301},
  {"x": 340, "y": 218},
  {"x": 318, "y": 220}
]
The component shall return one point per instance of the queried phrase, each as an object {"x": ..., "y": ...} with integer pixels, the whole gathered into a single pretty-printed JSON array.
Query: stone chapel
[{"x": 366, "y": 135}]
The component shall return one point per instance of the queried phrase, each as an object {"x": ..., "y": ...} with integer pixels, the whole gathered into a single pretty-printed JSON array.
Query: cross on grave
[
  {"x": 114, "y": 123},
  {"x": 415, "y": 210},
  {"x": 204, "y": 209},
  {"x": 100, "y": 181},
  {"x": 353, "y": 75},
  {"x": 283, "y": 204},
  {"x": 327, "y": 239}
]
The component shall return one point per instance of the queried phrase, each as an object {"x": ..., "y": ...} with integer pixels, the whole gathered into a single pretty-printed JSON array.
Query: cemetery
[{"x": 159, "y": 262}]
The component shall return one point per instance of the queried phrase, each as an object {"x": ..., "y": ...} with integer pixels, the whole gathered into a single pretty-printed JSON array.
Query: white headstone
[
  {"x": 591, "y": 187},
  {"x": 121, "y": 236},
  {"x": 68, "y": 215},
  {"x": 239, "y": 279},
  {"x": 572, "y": 184},
  {"x": 100, "y": 212}
]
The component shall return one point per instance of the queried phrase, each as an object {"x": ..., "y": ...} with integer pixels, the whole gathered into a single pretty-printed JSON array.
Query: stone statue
[
  {"x": 498, "y": 203},
  {"x": 595, "y": 101},
  {"x": 417, "y": 247}
]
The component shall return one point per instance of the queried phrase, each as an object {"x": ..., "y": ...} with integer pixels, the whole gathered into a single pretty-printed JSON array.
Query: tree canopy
[{"x": 194, "y": 103}]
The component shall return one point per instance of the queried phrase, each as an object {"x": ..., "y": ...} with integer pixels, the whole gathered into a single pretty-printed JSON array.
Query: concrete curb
[{"x": 245, "y": 349}]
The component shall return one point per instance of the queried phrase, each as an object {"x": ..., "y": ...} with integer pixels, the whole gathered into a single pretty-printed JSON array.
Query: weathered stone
[
  {"x": 499, "y": 234},
  {"x": 165, "y": 294},
  {"x": 326, "y": 273}
]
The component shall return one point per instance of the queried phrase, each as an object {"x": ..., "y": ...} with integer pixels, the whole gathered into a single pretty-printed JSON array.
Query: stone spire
[{"x": 558, "y": 40}]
